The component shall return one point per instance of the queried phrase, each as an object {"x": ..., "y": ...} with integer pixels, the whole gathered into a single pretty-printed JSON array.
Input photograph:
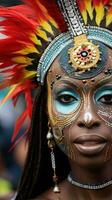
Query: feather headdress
[
  {"x": 25, "y": 31},
  {"x": 98, "y": 12}
]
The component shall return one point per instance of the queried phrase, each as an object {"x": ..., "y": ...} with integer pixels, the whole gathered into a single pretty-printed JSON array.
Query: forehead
[{"x": 62, "y": 70}]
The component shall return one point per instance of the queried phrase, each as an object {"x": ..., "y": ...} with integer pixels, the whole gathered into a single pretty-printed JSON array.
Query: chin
[{"x": 91, "y": 161}]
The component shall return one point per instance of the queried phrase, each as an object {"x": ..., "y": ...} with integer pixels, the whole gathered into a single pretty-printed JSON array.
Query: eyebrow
[
  {"x": 66, "y": 82},
  {"x": 106, "y": 80}
]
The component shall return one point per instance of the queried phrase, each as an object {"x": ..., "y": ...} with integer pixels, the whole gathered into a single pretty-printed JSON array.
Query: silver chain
[{"x": 53, "y": 160}]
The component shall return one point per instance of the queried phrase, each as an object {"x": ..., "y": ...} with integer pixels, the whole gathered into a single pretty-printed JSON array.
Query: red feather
[
  {"x": 81, "y": 5},
  {"x": 18, "y": 24},
  {"x": 54, "y": 12},
  {"x": 29, "y": 103},
  {"x": 21, "y": 119},
  {"x": 14, "y": 100},
  {"x": 19, "y": 140},
  {"x": 39, "y": 10}
]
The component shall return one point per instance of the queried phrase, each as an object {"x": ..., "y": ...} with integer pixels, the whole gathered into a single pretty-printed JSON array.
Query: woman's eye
[
  {"x": 65, "y": 99},
  {"x": 104, "y": 95},
  {"x": 106, "y": 99}
]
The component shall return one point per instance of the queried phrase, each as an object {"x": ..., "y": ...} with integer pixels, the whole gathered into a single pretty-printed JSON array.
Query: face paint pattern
[
  {"x": 103, "y": 99},
  {"x": 67, "y": 100},
  {"x": 68, "y": 103},
  {"x": 65, "y": 104}
]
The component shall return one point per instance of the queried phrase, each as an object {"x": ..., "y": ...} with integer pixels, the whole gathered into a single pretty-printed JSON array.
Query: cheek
[
  {"x": 64, "y": 141},
  {"x": 105, "y": 114},
  {"x": 108, "y": 152},
  {"x": 67, "y": 144},
  {"x": 62, "y": 116}
]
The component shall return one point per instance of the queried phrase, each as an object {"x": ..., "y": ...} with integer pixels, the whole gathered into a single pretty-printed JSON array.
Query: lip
[{"x": 90, "y": 144}]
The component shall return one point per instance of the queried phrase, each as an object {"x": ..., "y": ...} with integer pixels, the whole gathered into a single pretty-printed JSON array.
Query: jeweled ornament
[{"x": 84, "y": 55}]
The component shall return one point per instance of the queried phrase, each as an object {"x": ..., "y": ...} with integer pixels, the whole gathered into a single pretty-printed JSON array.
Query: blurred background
[
  {"x": 11, "y": 162},
  {"x": 9, "y": 2}
]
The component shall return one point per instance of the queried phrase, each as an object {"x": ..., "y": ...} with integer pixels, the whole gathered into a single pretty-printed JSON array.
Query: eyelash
[
  {"x": 106, "y": 99},
  {"x": 66, "y": 98},
  {"x": 104, "y": 95}
]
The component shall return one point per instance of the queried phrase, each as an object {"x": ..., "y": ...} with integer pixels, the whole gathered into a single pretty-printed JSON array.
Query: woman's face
[{"x": 80, "y": 113}]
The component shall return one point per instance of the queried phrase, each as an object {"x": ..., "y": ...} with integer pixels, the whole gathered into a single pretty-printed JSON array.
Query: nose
[{"x": 88, "y": 118}]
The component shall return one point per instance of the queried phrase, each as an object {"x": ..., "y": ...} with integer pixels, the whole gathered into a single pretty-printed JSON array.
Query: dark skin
[{"x": 92, "y": 167}]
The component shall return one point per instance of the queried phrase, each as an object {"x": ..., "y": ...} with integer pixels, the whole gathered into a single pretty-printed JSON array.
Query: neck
[
  {"x": 92, "y": 174},
  {"x": 85, "y": 194}
]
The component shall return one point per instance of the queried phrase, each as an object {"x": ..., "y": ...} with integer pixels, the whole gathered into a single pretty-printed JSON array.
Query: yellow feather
[
  {"x": 47, "y": 27},
  {"x": 108, "y": 20},
  {"x": 89, "y": 8},
  {"x": 34, "y": 38},
  {"x": 99, "y": 14},
  {"x": 84, "y": 15},
  {"x": 30, "y": 49},
  {"x": 54, "y": 23},
  {"x": 8, "y": 95},
  {"x": 30, "y": 74},
  {"x": 22, "y": 60},
  {"x": 42, "y": 34},
  {"x": 46, "y": 12}
]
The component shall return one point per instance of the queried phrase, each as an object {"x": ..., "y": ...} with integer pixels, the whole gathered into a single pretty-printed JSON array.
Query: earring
[{"x": 51, "y": 145}]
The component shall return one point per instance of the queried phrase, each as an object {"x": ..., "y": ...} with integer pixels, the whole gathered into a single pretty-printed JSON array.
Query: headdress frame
[{"x": 64, "y": 39}]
